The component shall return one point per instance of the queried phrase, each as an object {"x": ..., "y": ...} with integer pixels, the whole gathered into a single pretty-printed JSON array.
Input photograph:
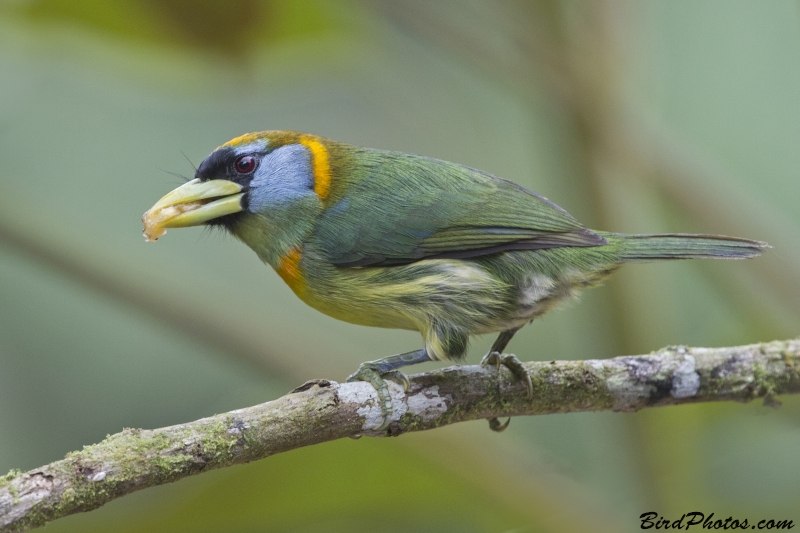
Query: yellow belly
[{"x": 403, "y": 297}]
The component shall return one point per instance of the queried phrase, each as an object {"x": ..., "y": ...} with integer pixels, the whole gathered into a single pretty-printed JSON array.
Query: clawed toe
[
  {"x": 367, "y": 372},
  {"x": 491, "y": 358},
  {"x": 399, "y": 378},
  {"x": 377, "y": 372},
  {"x": 513, "y": 364},
  {"x": 495, "y": 425}
]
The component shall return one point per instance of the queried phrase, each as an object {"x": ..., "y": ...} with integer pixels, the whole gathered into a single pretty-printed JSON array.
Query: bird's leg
[
  {"x": 496, "y": 357},
  {"x": 374, "y": 372},
  {"x": 502, "y": 341}
]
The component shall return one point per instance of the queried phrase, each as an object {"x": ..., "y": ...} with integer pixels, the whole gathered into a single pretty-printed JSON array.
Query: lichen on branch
[{"x": 321, "y": 411}]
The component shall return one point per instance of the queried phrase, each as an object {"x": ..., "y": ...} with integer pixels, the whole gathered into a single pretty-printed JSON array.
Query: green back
[{"x": 394, "y": 208}]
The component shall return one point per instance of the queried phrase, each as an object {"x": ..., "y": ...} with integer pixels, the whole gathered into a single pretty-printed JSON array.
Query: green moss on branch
[{"x": 322, "y": 410}]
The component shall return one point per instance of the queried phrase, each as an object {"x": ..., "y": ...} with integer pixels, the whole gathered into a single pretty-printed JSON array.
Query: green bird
[{"x": 394, "y": 240}]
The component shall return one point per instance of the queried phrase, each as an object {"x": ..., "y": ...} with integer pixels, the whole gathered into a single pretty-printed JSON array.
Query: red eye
[{"x": 245, "y": 164}]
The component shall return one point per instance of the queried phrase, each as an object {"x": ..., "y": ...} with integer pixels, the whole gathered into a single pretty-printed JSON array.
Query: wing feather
[{"x": 401, "y": 208}]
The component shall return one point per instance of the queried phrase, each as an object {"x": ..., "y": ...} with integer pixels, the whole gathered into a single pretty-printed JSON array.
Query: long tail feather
[{"x": 638, "y": 248}]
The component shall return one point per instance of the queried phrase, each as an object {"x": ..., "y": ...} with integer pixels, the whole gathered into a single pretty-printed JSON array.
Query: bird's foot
[
  {"x": 496, "y": 425},
  {"x": 511, "y": 362},
  {"x": 370, "y": 371}
]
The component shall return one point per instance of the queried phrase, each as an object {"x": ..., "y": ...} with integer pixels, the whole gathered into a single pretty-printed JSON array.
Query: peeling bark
[{"x": 321, "y": 411}]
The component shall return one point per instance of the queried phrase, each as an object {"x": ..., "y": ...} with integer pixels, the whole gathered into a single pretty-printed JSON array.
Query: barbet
[{"x": 394, "y": 240}]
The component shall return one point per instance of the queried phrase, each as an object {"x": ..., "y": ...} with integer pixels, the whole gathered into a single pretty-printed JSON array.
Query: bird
[{"x": 394, "y": 240}]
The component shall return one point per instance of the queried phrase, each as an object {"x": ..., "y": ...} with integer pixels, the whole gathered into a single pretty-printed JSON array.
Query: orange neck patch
[
  {"x": 289, "y": 270},
  {"x": 322, "y": 167}
]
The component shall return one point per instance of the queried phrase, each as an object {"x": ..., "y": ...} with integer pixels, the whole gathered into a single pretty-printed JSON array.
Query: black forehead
[{"x": 216, "y": 165}]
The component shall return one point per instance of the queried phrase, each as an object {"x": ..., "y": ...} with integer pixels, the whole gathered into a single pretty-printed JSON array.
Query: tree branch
[{"x": 322, "y": 410}]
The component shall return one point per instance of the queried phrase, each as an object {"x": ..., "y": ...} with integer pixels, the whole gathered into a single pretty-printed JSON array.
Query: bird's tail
[{"x": 640, "y": 248}]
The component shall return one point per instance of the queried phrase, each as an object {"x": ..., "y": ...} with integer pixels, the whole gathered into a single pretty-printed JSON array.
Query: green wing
[{"x": 400, "y": 208}]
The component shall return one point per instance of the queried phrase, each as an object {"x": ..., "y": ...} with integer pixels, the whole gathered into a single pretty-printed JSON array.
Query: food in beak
[
  {"x": 192, "y": 204},
  {"x": 156, "y": 218}
]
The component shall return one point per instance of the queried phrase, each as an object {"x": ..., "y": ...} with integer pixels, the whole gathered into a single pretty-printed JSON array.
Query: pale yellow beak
[{"x": 192, "y": 204}]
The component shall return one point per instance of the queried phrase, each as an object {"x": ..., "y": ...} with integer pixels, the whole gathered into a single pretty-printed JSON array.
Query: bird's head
[{"x": 261, "y": 187}]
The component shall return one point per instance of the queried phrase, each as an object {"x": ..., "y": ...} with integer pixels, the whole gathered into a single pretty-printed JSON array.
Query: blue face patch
[{"x": 283, "y": 175}]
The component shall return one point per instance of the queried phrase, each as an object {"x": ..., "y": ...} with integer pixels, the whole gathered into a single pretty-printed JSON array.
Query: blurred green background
[{"x": 640, "y": 117}]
